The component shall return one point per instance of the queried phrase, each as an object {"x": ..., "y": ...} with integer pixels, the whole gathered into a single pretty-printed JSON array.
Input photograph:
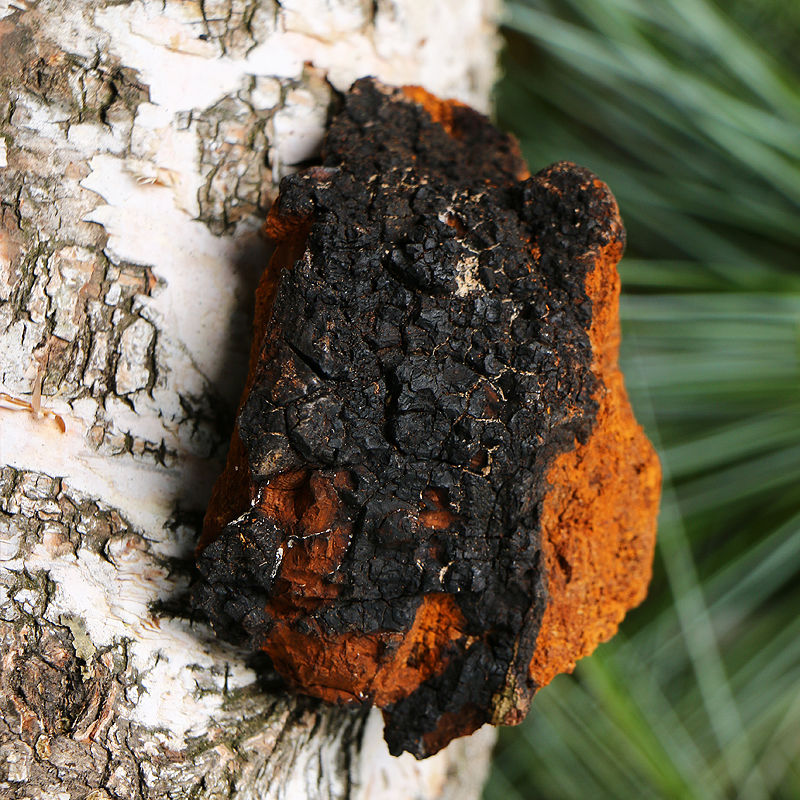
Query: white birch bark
[{"x": 140, "y": 145}]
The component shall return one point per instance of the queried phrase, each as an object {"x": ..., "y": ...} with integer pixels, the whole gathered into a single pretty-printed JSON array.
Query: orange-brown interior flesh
[
  {"x": 382, "y": 667},
  {"x": 599, "y": 517}
]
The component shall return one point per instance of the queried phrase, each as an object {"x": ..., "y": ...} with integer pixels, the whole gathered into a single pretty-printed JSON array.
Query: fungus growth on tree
[{"x": 436, "y": 497}]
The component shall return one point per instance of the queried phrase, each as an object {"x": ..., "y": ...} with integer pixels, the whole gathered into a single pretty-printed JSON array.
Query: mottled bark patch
[
  {"x": 87, "y": 89},
  {"x": 236, "y": 26},
  {"x": 68, "y": 699}
]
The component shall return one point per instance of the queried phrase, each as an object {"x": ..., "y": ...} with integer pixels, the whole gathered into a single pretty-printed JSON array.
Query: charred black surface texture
[{"x": 432, "y": 344}]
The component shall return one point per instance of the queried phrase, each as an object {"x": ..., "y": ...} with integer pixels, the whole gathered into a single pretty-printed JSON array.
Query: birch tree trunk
[{"x": 140, "y": 145}]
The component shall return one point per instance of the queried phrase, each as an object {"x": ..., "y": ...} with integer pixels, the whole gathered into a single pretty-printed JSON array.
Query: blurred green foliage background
[{"x": 690, "y": 110}]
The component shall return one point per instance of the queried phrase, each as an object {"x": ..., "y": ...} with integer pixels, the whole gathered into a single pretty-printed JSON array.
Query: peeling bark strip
[{"x": 436, "y": 496}]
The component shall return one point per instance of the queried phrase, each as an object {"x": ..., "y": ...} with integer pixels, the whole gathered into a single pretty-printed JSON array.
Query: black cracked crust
[{"x": 430, "y": 345}]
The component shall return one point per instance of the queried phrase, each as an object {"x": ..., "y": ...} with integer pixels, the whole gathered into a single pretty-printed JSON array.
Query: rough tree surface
[
  {"x": 140, "y": 149},
  {"x": 437, "y": 497}
]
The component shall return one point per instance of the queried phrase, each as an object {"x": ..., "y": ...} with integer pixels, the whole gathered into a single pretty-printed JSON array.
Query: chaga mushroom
[{"x": 436, "y": 497}]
